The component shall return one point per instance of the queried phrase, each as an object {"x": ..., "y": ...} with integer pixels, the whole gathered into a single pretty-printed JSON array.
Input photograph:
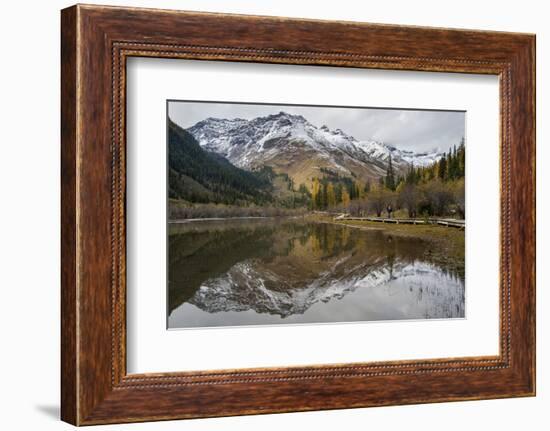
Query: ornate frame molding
[{"x": 96, "y": 41}]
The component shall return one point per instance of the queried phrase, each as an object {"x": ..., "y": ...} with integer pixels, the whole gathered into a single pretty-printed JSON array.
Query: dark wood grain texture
[
  {"x": 96, "y": 41},
  {"x": 68, "y": 217}
]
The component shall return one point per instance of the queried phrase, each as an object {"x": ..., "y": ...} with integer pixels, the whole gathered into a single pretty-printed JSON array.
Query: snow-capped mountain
[
  {"x": 291, "y": 144},
  {"x": 381, "y": 151}
]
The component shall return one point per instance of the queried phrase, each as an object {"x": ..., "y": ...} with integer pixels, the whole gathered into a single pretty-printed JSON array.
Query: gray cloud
[{"x": 416, "y": 130}]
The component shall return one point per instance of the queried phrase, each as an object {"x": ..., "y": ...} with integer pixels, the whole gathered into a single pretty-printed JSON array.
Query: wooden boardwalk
[{"x": 461, "y": 224}]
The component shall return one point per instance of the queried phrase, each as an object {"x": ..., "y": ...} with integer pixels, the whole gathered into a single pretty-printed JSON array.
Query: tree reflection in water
[{"x": 249, "y": 272}]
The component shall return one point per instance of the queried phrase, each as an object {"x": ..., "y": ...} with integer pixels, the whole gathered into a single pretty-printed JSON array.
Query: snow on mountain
[
  {"x": 381, "y": 151},
  {"x": 293, "y": 145}
]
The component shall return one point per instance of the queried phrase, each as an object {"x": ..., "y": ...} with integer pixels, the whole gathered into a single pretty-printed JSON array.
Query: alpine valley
[{"x": 278, "y": 159}]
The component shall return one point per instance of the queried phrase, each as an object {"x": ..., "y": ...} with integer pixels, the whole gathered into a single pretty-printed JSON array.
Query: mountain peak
[
  {"x": 291, "y": 144},
  {"x": 283, "y": 116}
]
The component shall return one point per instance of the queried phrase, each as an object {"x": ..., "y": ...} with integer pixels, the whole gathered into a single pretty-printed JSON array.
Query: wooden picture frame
[{"x": 95, "y": 43}]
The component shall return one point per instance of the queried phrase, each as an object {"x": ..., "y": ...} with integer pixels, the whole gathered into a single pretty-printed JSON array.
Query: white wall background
[{"x": 29, "y": 214}]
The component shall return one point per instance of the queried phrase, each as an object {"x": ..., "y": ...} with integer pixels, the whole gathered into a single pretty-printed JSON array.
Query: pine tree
[
  {"x": 338, "y": 192},
  {"x": 449, "y": 165},
  {"x": 390, "y": 178},
  {"x": 462, "y": 158},
  {"x": 442, "y": 168},
  {"x": 452, "y": 164},
  {"x": 411, "y": 175},
  {"x": 323, "y": 195},
  {"x": 315, "y": 189}
]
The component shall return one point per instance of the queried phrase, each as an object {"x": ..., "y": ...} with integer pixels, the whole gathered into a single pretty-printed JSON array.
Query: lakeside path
[{"x": 443, "y": 245}]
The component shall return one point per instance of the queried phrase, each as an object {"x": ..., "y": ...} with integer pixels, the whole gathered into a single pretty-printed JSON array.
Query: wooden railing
[{"x": 439, "y": 221}]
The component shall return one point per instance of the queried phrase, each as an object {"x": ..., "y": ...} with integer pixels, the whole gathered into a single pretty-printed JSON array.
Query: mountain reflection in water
[{"x": 253, "y": 272}]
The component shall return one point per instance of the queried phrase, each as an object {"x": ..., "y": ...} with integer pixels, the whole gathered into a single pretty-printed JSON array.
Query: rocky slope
[{"x": 291, "y": 144}]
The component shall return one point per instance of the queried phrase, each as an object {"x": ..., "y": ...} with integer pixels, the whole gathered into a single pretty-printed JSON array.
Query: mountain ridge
[{"x": 291, "y": 144}]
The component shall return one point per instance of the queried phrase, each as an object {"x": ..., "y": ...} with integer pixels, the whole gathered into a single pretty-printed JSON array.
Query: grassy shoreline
[{"x": 445, "y": 245}]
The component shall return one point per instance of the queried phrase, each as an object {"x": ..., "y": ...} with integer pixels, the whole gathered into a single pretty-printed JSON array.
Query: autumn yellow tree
[
  {"x": 345, "y": 198},
  {"x": 331, "y": 196},
  {"x": 358, "y": 191},
  {"x": 315, "y": 190}
]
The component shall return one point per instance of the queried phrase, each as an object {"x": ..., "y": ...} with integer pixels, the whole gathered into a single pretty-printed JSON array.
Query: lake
[{"x": 295, "y": 271}]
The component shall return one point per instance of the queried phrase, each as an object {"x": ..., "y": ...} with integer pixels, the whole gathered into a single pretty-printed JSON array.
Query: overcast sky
[{"x": 405, "y": 129}]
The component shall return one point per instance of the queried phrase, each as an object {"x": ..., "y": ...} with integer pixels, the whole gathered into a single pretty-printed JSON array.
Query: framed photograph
[
  {"x": 264, "y": 215},
  {"x": 273, "y": 220}
]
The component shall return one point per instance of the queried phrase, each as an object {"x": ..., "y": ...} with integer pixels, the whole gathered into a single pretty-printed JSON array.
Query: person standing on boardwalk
[{"x": 389, "y": 209}]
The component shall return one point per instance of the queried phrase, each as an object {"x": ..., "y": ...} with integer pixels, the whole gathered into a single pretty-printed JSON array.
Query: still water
[{"x": 265, "y": 271}]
